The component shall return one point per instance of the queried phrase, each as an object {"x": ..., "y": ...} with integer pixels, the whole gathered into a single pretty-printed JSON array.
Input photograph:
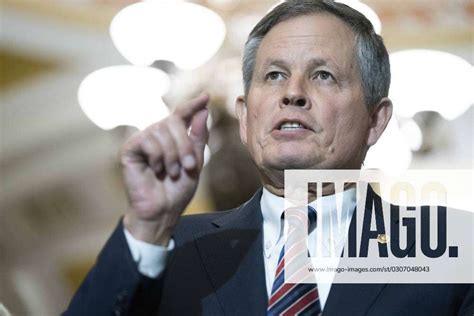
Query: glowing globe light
[
  {"x": 124, "y": 95},
  {"x": 366, "y": 11},
  {"x": 185, "y": 33},
  {"x": 413, "y": 135},
  {"x": 391, "y": 153},
  {"x": 428, "y": 80}
]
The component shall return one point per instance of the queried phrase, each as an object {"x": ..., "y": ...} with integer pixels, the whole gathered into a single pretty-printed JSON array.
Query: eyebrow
[
  {"x": 314, "y": 62},
  {"x": 275, "y": 62}
]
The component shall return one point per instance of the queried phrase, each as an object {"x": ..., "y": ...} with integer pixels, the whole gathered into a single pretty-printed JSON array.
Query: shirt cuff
[{"x": 151, "y": 259}]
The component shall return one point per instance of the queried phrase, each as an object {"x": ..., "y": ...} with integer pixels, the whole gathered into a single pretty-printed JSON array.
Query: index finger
[{"x": 187, "y": 110}]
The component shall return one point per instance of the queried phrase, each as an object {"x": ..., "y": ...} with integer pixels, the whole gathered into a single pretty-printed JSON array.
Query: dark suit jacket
[{"x": 217, "y": 268}]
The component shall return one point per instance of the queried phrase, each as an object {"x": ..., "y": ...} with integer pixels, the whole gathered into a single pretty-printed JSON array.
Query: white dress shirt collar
[{"x": 272, "y": 208}]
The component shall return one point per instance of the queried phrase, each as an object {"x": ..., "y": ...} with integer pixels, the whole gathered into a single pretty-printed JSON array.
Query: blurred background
[{"x": 66, "y": 84}]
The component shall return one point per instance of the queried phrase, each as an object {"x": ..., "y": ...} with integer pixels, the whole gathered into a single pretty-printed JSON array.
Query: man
[{"x": 316, "y": 80}]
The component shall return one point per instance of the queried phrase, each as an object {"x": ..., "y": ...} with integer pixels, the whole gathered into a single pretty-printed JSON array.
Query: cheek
[
  {"x": 353, "y": 129},
  {"x": 327, "y": 118},
  {"x": 344, "y": 124},
  {"x": 254, "y": 122},
  {"x": 259, "y": 114}
]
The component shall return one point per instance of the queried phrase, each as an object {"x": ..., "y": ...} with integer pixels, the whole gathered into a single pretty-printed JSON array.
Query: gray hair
[{"x": 372, "y": 56}]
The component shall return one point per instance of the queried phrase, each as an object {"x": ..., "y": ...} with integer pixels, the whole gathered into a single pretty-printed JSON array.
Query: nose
[{"x": 295, "y": 94}]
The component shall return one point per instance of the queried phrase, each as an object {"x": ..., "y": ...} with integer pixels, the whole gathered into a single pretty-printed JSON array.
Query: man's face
[{"x": 305, "y": 107}]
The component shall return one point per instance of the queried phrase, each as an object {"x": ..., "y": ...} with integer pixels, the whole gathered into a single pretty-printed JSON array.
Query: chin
[{"x": 290, "y": 162}]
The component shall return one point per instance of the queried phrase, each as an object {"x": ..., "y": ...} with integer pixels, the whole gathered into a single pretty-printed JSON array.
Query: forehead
[{"x": 305, "y": 36}]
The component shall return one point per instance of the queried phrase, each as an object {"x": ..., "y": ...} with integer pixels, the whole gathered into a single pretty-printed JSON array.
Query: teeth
[{"x": 286, "y": 126}]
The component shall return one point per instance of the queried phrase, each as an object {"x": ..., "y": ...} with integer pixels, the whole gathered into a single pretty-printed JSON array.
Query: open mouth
[{"x": 291, "y": 126}]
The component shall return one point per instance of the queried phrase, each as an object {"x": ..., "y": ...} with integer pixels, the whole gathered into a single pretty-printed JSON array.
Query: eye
[
  {"x": 323, "y": 75},
  {"x": 274, "y": 76}
]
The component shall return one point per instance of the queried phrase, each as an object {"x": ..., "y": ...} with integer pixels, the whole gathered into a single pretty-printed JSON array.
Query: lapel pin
[{"x": 383, "y": 239}]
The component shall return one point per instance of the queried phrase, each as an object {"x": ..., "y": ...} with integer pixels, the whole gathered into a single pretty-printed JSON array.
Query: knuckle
[
  {"x": 124, "y": 159},
  {"x": 186, "y": 147},
  {"x": 146, "y": 142},
  {"x": 130, "y": 149},
  {"x": 171, "y": 157},
  {"x": 161, "y": 131},
  {"x": 175, "y": 123}
]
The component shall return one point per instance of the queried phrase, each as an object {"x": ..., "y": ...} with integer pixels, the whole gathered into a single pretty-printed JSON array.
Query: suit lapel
[{"x": 233, "y": 259}]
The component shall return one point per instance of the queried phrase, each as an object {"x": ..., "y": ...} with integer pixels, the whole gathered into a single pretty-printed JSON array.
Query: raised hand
[{"x": 161, "y": 167}]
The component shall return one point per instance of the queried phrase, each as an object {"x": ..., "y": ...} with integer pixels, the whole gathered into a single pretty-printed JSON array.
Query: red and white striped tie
[{"x": 299, "y": 294}]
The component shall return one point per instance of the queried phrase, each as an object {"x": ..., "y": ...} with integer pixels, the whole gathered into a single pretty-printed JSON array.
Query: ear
[
  {"x": 379, "y": 119},
  {"x": 241, "y": 112}
]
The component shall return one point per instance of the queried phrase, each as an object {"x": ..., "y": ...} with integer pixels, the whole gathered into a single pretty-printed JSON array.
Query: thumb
[{"x": 199, "y": 133}]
